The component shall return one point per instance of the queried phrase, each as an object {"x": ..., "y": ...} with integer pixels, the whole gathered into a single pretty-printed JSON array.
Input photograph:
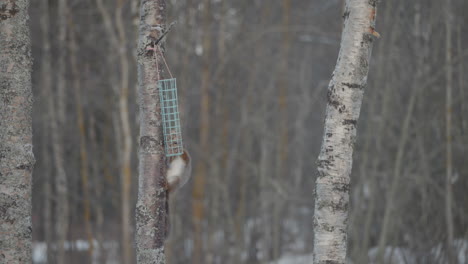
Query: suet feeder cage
[{"x": 173, "y": 145}]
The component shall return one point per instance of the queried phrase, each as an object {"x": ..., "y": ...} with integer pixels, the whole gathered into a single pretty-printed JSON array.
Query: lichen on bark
[
  {"x": 151, "y": 205},
  {"x": 16, "y": 153}
]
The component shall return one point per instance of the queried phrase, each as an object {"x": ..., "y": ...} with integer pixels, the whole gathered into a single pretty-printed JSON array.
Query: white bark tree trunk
[
  {"x": 151, "y": 205},
  {"x": 334, "y": 163},
  {"x": 16, "y": 155}
]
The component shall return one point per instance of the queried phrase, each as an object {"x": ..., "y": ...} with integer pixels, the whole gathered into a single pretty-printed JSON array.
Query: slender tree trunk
[
  {"x": 448, "y": 132},
  {"x": 220, "y": 120},
  {"x": 198, "y": 192},
  {"x": 82, "y": 135},
  {"x": 378, "y": 107},
  {"x": 402, "y": 142},
  {"x": 283, "y": 140},
  {"x": 57, "y": 111},
  {"x": 97, "y": 180},
  {"x": 126, "y": 173},
  {"x": 46, "y": 84},
  {"x": 151, "y": 205},
  {"x": 461, "y": 83},
  {"x": 119, "y": 44},
  {"x": 344, "y": 97},
  {"x": 16, "y": 155}
]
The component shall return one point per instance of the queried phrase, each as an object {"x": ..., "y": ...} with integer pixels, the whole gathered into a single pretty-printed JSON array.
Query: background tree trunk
[
  {"x": 126, "y": 171},
  {"x": 84, "y": 167},
  {"x": 16, "y": 155},
  {"x": 344, "y": 97},
  {"x": 201, "y": 168},
  {"x": 122, "y": 121},
  {"x": 57, "y": 111},
  {"x": 46, "y": 79},
  {"x": 151, "y": 205},
  {"x": 448, "y": 132}
]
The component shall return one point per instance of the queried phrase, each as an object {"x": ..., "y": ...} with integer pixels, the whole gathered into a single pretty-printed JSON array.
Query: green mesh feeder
[{"x": 170, "y": 116}]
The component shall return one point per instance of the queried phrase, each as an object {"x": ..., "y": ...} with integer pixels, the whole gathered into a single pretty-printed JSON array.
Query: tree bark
[
  {"x": 344, "y": 98},
  {"x": 16, "y": 155},
  {"x": 151, "y": 205}
]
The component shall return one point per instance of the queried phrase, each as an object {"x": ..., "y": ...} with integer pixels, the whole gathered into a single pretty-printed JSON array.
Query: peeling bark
[
  {"x": 151, "y": 205},
  {"x": 345, "y": 93},
  {"x": 16, "y": 155}
]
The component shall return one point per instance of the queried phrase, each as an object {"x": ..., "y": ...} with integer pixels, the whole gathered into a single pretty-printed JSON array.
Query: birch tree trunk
[
  {"x": 344, "y": 99},
  {"x": 151, "y": 205},
  {"x": 16, "y": 155}
]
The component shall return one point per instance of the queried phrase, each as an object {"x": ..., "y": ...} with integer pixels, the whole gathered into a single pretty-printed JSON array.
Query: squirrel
[{"x": 179, "y": 172}]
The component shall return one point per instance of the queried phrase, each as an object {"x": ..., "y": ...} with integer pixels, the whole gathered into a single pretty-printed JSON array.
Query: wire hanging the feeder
[{"x": 172, "y": 132}]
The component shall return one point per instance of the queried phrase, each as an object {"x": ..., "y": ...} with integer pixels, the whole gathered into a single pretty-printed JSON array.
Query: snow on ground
[
  {"x": 393, "y": 255},
  {"x": 294, "y": 259},
  {"x": 297, "y": 259},
  {"x": 110, "y": 248},
  {"x": 399, "y": 255}
]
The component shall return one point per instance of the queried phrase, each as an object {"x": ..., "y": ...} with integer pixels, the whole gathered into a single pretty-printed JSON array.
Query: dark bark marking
[
  {"x": 329, "y": 262},
  {"x": 363, "y": 66},
  {"x": 353, "y": 85},
  {"x": 342, "y": 108},
  {"x": 332, "y": 101},
  {"x": 346, "y": 14},
  {"x": 367, "y": 38},
  {"x": 328, "y": 227},
  {"x": 28, "y": 167},
  {"x": 373, "y": 3},
  {"x": 341, "y": 205},
  {"x": 8, "y": 10},
  {"x": 142, "y": 214},
  {"x": 322, "y": 164},
  {"x": 148, "y": 143},
  {"x": 342, "y": 187},
  {"x": 8, "y": 96},
  {"x": 351, "y": 122},
  {"x": 8, "y": 203}
]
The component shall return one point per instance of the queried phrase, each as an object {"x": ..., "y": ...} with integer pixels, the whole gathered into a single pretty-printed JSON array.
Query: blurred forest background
[{"x": 252, "y": 78}]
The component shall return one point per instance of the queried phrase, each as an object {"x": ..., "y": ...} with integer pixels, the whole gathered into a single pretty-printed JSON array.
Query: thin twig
[{"x": 165, "y": 33}]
